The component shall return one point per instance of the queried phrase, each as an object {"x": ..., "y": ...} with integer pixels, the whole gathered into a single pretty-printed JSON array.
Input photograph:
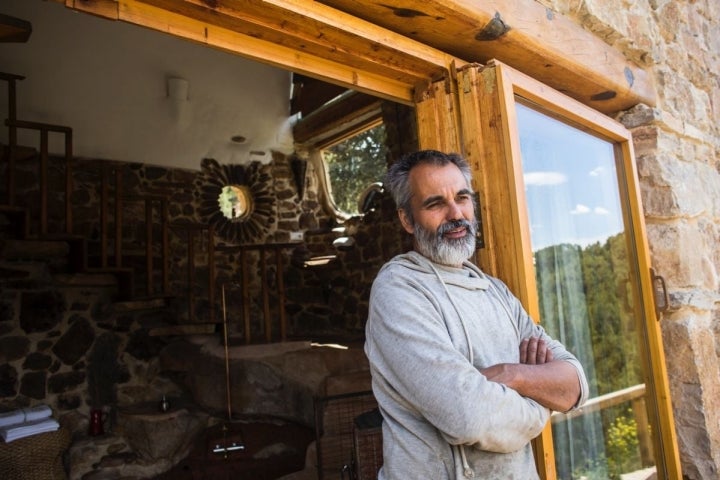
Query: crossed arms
[{"x": 552, "y": 383}]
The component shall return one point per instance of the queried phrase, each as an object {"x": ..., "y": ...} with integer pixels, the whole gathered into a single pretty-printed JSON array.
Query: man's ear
[{"x": 405, "y": 220}]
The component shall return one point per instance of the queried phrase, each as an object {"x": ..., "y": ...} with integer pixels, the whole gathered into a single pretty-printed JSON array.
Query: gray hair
[{"x": 396, "y": 179}]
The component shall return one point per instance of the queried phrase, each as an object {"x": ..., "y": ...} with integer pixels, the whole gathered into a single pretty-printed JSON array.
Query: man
[{"x": 463, "y": 377}]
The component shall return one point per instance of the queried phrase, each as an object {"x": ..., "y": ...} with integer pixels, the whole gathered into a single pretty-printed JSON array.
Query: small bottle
[{"x": 164, "y": 404}]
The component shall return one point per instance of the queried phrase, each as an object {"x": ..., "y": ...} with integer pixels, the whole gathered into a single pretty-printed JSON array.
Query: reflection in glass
[
  {"x": 353, "y": 164},
  {"x": 235, "y": 202},
  {"x": 585, "y": 279}
]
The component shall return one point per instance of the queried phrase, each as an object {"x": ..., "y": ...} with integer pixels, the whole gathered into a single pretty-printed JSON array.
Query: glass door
[
  {"x": 587, "y": 295},
  {"x": 563, "y": 228}
]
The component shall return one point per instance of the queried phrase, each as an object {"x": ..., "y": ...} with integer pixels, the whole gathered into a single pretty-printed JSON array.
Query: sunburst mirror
[{"x": 237, "y": 200}]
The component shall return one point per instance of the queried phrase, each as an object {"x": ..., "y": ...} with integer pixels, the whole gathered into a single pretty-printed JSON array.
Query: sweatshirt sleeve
[
  {"x": 419, "y": 372},
  {"x": 528, "y": 328}
]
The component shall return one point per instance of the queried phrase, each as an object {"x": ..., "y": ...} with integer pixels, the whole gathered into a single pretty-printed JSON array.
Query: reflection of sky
[{"x": 570, "y": 182}]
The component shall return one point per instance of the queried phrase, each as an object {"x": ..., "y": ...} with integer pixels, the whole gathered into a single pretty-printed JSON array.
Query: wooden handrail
[
  {"x": 148, "y": 201},
  {"x": 267, "y": 323},
  {"x": 634, "y": 394},
  {"x": 602, "y": 402},
  {"x": 45, "y": 129},
  {"x": 191, "y": 229}
]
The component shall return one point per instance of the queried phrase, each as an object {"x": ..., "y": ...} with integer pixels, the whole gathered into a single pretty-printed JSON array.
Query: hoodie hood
[{"x": 469, "y": 276}]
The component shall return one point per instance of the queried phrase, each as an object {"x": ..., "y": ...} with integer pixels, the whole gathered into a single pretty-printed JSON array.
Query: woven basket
[{"x": 37, "y": 457}]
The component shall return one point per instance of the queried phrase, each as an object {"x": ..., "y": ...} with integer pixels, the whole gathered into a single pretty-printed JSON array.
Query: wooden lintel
[
  {"x": 520, "y": 33},
  {"x": 320, "y": 31}
]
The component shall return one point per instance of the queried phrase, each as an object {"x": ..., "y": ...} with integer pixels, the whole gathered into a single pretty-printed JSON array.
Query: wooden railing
[
  {"x": 635, "y": 395},
  {"x": 275, "y": 250},
  {"x": 162, "y": 205},
  {"x": 44, "y": 129},
  {"x": 193, "y": 230}
]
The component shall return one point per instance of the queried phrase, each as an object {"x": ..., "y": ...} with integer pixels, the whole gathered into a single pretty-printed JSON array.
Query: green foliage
[
  {"x": 353, "y": 164},
  {"x": 622, "y": 446},
  {"x": 586, "y": 301},
  {"x": 622, "y": 455}
]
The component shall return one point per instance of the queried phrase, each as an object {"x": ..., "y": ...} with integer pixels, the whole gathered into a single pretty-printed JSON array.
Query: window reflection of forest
[{"x": 586, "y": 301}]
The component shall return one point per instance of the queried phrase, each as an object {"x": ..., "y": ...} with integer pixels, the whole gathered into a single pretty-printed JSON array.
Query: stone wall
[{"x": 677, "y": 147}]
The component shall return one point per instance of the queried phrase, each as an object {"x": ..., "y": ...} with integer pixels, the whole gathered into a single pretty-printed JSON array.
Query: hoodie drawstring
[{"x": 467, "y": 471}]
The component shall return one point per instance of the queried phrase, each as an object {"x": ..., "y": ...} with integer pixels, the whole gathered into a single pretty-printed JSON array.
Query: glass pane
[
  {"x": 585, "y": 275},
  {"x": 354, "y": 164}
]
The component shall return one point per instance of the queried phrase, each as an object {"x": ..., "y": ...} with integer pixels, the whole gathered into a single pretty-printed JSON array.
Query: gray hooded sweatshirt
[{"x": 429, "y": 331}]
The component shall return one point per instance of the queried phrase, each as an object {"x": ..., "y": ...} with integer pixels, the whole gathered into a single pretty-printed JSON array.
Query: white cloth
[
  {"x": 26, "y": 421},
  {"x": 29, "y": 414},
  {"x": 25, "y": 429}
]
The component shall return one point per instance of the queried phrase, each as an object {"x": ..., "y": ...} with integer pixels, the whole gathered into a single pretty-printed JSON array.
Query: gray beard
[{"x": 444, "y": 251}]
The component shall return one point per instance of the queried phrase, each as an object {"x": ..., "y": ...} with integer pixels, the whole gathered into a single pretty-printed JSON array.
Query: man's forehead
[{"x": 431, "y": 179}]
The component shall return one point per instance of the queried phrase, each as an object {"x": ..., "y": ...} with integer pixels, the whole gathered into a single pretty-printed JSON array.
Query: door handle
[{"x": 662, "y": 300}]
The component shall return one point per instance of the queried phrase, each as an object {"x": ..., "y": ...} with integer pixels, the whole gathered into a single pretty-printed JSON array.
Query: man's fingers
[
  {"x": 523, "y": 350},
  {"x": 542, "y": 351},
  {"x": 535, "y": 351},
  {"x": 532, "y": 350}
]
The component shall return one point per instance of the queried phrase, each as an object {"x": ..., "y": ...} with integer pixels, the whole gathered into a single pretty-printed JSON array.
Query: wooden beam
[
  {"x": 520, "y": 33},
  {"x": 14, "y": 29},
  {"x": 304, "y": 37},
  {"x": 385, "y": 48}
]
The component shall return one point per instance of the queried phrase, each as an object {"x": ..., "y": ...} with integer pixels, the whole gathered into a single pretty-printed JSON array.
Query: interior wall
[{"x": 109, "y": 82}]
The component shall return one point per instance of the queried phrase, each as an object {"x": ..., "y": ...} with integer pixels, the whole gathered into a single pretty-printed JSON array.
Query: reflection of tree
[
  {"x": 586, "y": 302},
  {"x": 354, "y": 164}
]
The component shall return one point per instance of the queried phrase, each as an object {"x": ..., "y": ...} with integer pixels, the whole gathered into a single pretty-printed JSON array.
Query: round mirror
[{"x": 236, "y": 202}]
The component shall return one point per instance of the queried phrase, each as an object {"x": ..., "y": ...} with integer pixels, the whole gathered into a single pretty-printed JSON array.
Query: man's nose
[{"x": 454, "y": 212}]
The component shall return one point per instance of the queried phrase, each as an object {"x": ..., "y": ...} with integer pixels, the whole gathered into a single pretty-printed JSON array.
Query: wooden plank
[
  {"x": 523, "y": 34},
  {"x": 437, "y": 117},
  {"x": 279, "y": 277},
  {"x": 390, "y": 73},
  {"x": 265, "y": 296},
  {"x": 345, "y": 74},
  {"x": 318, "y": 30},
  {"x": 245, "y": 295}
]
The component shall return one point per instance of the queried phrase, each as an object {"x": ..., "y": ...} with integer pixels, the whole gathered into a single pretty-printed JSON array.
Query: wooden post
[
  {"x": 281, "y": 294},
  {"x": 265, "y": 296},
  {"x": 118, "y": 216},
  {"x": 148, "y": 247},
  {"x": 191, "y": 275},
  {"x": 103, "y": 214},
  {"x": 245, "y": 295},
  {"x": 43, "y": 181},
  {"x": 68, "y": 181}
]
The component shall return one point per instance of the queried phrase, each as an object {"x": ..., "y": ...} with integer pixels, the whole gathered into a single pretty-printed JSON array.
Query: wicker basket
[
  {"x": 367, "y": 445},
  {"x": 37, "y": 457}
]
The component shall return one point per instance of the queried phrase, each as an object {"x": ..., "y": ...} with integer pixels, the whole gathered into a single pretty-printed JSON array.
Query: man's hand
[
  {"x": 552, "y": 384},
  {"x": 534, "y": 351}
]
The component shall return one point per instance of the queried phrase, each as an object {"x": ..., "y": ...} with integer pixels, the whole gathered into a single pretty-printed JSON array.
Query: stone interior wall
[
  {"x": 677, "y": 148},
  {"x": 65, "y": 341}
]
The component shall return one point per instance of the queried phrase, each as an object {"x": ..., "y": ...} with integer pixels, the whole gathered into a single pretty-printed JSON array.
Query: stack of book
[{"x": 27, "y": 421}]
